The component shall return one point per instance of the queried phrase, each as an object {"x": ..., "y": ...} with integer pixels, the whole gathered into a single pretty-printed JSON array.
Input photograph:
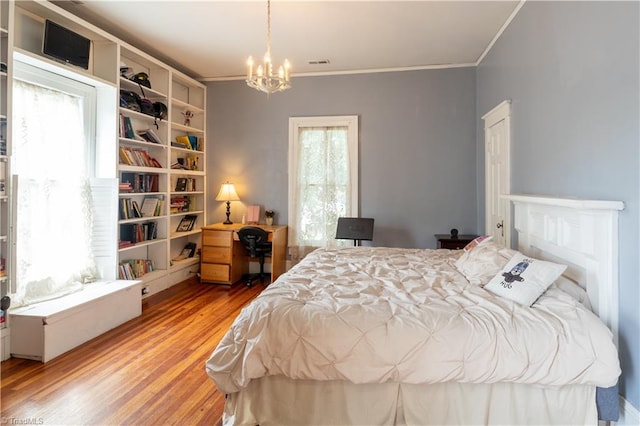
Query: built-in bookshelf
[
  {"x": 134, "y": 146},
  {"x": 160, "y": 156},
  {"x": 187, "y": 161}
]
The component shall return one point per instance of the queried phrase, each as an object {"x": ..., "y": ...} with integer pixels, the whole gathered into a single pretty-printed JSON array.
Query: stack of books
[{"x": 180, "y": 204}]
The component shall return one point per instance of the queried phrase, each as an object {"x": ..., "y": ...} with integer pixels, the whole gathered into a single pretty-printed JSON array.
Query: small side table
[{"x": 446, "y": 242}]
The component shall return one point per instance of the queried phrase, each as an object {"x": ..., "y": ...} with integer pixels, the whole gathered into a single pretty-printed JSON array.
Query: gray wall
[
  {"x": 571, "y": 71},
  {"x": 417, "y": 147}
]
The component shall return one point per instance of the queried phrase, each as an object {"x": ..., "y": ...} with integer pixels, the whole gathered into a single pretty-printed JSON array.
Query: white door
[{"x": 497, "y": 139}]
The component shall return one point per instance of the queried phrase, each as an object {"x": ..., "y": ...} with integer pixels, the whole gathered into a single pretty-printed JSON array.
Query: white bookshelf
[
  {"x": 179, "y": 93},
  {"x": 187, "y": 95}
]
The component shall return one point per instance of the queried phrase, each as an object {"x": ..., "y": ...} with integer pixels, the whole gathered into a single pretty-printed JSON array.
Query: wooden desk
[{"x": 224, "y": 258}]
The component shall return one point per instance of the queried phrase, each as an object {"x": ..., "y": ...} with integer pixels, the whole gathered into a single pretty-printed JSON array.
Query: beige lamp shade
[{"x": 227, "y": 193}]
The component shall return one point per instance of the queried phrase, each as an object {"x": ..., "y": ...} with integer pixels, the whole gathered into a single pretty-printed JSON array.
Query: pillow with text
[{"x": 523, "y": 279}]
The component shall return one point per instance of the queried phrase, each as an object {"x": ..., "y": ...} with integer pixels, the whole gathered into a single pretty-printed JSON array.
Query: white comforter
[{"x": 373, "y": 315}]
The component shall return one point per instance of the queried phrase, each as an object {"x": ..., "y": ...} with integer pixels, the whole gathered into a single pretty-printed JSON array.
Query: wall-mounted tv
[{"x": 65, "y": 45}]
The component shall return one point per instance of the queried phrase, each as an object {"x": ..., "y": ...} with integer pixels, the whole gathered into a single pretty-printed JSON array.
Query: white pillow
[
  {"x": 574, "y": 290},
  {"x": 481, "y": 263},
  {"x": 524, "y": 279}
]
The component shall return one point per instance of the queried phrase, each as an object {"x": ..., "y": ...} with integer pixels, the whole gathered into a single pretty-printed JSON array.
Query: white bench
[{"x": 45, "y": 330}]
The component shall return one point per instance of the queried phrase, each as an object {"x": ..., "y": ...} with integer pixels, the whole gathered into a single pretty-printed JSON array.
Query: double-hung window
[
  {"x": 323, "y": 180},
  {"x": 53, "y": 163}
]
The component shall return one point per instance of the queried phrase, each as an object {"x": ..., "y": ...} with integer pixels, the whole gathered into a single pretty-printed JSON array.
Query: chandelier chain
[{"x": 269, "y": 28}]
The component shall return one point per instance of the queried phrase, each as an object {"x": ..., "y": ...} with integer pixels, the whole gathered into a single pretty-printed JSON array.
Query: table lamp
[{"x": 227, "y": 193}]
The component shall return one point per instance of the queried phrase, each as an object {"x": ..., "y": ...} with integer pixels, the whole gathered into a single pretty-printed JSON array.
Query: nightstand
[{"x": 446, "y": 242}]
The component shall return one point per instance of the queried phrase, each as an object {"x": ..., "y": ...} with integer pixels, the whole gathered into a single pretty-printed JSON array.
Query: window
[
  {"x": 323, "y": 180},
  {"x": 53, "y": 161}
]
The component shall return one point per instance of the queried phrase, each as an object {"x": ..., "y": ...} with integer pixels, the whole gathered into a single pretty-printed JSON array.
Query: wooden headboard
[{"x": 582, "y": 234}]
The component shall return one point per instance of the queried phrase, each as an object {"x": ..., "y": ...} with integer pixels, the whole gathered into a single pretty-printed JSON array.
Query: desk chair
[
  {"x": 256, "y": 241},
  {"x": 355, "y": 228}
]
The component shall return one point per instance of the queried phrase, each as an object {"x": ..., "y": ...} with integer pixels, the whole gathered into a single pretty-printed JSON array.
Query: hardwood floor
[{"x": 148, "y": 371}]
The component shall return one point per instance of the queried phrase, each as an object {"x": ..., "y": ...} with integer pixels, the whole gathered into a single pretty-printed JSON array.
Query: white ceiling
[{"x": 212, "y": 39}]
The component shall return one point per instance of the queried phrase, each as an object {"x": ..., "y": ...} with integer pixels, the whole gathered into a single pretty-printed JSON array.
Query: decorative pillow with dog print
[{"x": 524, "y": 279}]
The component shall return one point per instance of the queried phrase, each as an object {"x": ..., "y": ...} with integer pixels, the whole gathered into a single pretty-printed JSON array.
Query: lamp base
[{"x": 228, "y": 221}]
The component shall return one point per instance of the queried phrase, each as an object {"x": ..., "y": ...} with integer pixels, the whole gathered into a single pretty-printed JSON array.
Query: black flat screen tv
[{"x": 65, "y": 45}]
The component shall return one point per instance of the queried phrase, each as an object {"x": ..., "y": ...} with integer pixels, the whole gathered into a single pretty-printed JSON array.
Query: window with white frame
[
  {"x": 53, "y": 163},
  {"x": 323, "y": 180}
]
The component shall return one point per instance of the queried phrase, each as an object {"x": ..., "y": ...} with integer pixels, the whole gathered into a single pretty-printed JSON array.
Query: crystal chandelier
[{"x": 263, "y": 78}]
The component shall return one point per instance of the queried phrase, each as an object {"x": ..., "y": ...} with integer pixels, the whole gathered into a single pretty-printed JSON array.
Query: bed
[{"x": 378, "y": 335}]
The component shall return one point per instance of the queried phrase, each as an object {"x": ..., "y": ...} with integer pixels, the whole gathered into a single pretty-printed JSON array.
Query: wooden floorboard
[{"x": 148, "y": 371}]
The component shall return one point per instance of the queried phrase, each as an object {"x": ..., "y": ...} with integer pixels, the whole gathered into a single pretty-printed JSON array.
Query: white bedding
[{"x": 377, "y": 315}]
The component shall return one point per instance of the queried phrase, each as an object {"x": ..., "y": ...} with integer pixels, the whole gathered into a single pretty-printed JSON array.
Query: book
[
  {"x": 181, "y": 185},
  {"x": 186, "y": 224},
  {"x": 149, "y": 230},
  {"x": 126, "y": 128},
  {"x": 124, "y": 208},
  {"x": 184, "y": 141},
  {"x": 125, "y": 156},
  {"x": 125, "y": 186},
  {"x": 150, "y": 136},
  {"x": 193, "y": 141},
  {"x": 128, "y": 234},
  {"x": 136, "y": 209},
  {"x": 123, "y": 244},
  {"x": 191, "y": 163},
  {"x": 191, "y": 184},
  {"x": 150, "y": 207}
]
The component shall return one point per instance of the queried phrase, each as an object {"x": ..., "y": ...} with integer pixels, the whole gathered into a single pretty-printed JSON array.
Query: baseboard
[{"x": 629, "y": 415}]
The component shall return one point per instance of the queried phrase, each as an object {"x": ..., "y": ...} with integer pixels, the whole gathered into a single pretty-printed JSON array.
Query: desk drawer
[
  {"x": 216, "y": 254},
  {"x": 213, "y": 272},
  {"x": 217, "y": 238}
]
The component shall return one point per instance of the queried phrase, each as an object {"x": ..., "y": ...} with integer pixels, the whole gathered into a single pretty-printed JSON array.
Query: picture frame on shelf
[
  {"x": 186, "y": 223},
  {"x": 188, "y": 251}
]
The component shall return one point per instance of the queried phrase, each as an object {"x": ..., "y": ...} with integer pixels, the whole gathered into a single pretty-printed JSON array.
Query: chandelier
[{"x": 263, "y": 78}]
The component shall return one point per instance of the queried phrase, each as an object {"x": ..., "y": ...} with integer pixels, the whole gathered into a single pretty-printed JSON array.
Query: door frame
[{"x": 501, "y": 112}]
